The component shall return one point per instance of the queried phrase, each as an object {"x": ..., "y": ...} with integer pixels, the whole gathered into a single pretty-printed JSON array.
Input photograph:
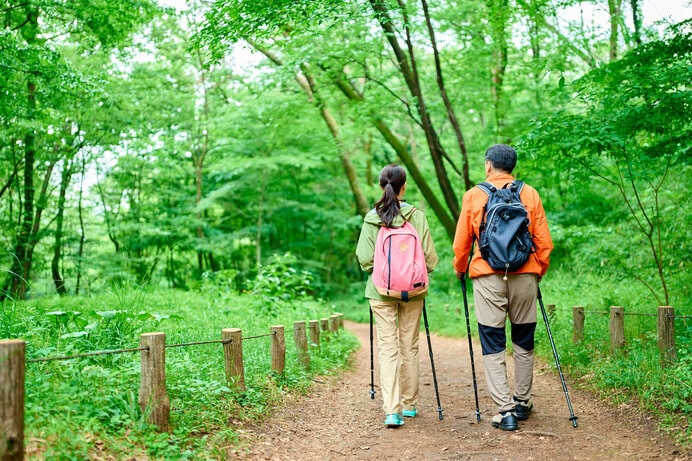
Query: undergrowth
[{"x": 87, "y": 408}]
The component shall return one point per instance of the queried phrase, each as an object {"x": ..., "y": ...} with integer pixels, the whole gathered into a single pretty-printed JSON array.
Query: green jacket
[{"x": 368, "y": 235}]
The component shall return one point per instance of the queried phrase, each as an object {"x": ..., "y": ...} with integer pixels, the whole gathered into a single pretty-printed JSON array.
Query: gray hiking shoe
[
  {"x": 506, "y": 421},
  {"x": 523, "y": 408}
]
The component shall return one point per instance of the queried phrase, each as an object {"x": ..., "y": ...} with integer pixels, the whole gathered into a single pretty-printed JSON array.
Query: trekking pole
[
  {"x": 557, "y": 359},
  {"x": 432, "y": 362},
  {"x": 372, "y": 363},
  {"x": 468, "y": 334}
]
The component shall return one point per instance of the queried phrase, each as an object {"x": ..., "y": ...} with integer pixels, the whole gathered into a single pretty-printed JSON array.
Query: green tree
[
  {"x": 41, "y": 81},
  {"x": 631, "y": 128}
]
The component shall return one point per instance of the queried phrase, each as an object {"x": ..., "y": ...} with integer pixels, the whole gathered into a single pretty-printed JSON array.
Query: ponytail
[{"x": 392, "y": 179}]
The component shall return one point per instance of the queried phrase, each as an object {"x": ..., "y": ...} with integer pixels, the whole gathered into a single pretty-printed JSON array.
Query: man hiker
[{"x": 500, "y": 292}]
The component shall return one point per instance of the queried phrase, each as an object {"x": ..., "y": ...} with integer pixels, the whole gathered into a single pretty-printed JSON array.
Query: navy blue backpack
[{"x": 505, "y": 241}]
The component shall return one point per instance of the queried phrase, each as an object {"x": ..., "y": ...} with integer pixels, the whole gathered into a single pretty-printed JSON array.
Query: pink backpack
[{"x": 399, "y": 269}]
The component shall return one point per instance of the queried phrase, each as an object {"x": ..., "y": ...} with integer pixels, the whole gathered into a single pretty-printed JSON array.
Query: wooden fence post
[
  {"x": 278, "y": 349},
  {"x": 334, "y": 323},
  {"x": 340, "y": 316},
  {"x": 301, "y": 339},
  {"x": 666, "y": 335},
  {"x": 233, "y": 357},
  {"x": 617, "y": 328},
  {"x": 314, "y": 327},
  {"x": 12, "y": 363},
  {"x": 153, "y": 399},
  {"x": 324, "y": 326},
  {"x": 577, "y": 324}
]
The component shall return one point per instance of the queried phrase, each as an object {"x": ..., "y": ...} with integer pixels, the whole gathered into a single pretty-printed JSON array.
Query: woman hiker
[{"x": 397, "y": 320}]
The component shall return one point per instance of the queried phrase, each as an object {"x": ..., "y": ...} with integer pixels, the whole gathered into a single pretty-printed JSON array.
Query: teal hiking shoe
[
  {"x": 394, "y": 420},
  {"x": 410, "y": 413}
]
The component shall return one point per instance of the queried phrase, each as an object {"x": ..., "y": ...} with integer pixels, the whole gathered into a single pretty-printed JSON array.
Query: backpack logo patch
[
  {"x": 399, "y": 269},
  {"x": 505, "y": 241}
]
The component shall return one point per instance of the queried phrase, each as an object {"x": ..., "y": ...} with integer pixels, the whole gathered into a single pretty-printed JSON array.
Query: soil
[{"x": 338, "y": 420}]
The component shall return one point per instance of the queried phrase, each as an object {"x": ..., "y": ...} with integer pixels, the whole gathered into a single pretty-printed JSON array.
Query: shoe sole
[
  {"x": 394, "y": 424},
  {"x": 505, "y": 427}
]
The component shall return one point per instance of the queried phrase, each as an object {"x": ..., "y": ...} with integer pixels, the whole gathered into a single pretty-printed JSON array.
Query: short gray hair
[{"x": 502, "y": 157}]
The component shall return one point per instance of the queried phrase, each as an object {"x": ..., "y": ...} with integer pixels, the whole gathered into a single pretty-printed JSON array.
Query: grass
[{"x": 87, "y": 408}]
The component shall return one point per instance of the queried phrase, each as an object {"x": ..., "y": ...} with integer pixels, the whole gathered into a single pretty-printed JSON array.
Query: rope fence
[
  {"x": 86, "y": 354},
  {"x": 634, "y": 314},
  {"x": 138, "y": 349},
  {"x": 153, "y": 397},
  {"x": 616, "y": 326}
]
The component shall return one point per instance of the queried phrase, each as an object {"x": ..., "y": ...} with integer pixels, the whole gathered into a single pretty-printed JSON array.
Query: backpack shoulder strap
[
  {"x": 517, "y": 186},
  {"x": 411, "y": 215},
  {"x": 486, "y": 187}
]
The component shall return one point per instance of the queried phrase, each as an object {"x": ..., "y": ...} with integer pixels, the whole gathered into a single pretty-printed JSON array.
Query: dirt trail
[{"x": 339, "y": 421}]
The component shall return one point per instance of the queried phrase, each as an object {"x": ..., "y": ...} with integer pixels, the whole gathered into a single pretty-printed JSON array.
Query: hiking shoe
[
  {"x": 523, "y": 408},
  {"x": 506, "y": 421},
  {"x": 410, "y": 413},
  {"x": 394, "y": 420}
]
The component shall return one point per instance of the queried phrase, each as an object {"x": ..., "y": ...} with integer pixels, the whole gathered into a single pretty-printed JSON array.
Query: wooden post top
[{"x": 12, "y": 341}]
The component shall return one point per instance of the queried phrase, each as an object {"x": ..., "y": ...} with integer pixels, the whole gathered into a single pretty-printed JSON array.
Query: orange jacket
[{"x": 469, "y": 223}]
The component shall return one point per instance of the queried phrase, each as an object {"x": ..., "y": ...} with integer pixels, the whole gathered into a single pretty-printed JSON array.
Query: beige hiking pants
[
  {"x": 496, "y": 299},
  {"x": 398, "y": 331}
]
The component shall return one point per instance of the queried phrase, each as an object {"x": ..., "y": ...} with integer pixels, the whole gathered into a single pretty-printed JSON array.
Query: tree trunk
[
  {"x": 637, "y": 20},
  {"x": 535, "y": 18},
  {"x": 41, "y": 204},
  {"x": 57, "y": 246},
  {"x": 11, "y": 179},
  {"x": 82, "y": 233},
  {"x": 258, "y": 237},
  {"x": 498, "y": 10},
  {"x": 200, "y": 152},
  {"x": 451, "y": 115},
  {"x": 21, "y": 264},
  {"x": 615, "y": 11},
  {"x": 408, "y": 69}
]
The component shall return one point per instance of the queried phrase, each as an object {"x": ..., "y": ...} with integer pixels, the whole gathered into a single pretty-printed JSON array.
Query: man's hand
[{"x": 461, "y": 275}]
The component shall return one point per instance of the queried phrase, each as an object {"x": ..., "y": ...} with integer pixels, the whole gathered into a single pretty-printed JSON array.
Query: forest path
[{"x": 337, "y": 419}]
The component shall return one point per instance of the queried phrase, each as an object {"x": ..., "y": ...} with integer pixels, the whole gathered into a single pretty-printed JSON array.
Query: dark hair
[
  {"x": 392, "y": 179},
  {"x": 502, "y": 157}
]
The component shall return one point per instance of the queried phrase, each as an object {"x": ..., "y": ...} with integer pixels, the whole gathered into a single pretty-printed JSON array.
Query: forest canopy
[{"x": 241, "y": 141}]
